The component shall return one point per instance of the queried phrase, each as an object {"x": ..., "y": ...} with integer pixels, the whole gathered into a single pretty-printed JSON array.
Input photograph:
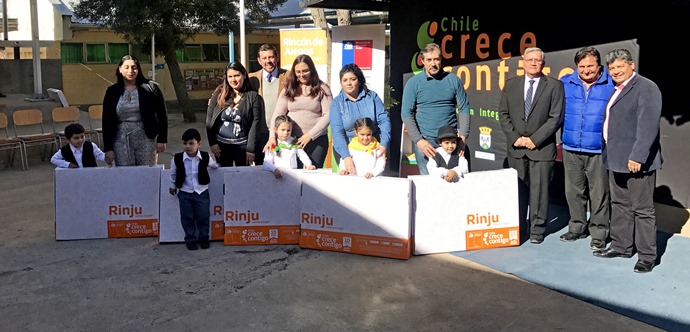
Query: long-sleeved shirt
[
  {"x": 367, "y": 158},
  {"x": 310, "y": 115},
  {"x": 58, "y": 160},
  {"x": 286, "y": 156},
  {"x": 430, "y": 102},
  {"x": 441, "y": 172},
  {"x": 345, "y": 111},
  {"x": 191, "y": 169}
]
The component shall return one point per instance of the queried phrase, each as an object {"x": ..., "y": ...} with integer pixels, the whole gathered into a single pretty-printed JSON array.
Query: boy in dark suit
[
  {"x": 190, "y": 175},
  {"x": 530, "y": 113}
]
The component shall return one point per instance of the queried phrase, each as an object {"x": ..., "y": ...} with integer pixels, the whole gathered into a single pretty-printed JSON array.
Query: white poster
[{"x": 363, "y": 45}]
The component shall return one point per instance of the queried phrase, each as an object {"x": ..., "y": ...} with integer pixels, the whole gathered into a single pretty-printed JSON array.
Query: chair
[
  {"x": 11, "y": 144},
  {"x": 96, "y": 121},
  {"x": 28, "y": 126},
  {"x": 63, "y": 116}
]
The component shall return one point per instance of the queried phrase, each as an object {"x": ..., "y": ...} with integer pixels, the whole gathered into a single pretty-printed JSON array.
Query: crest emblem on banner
[{"x": 485, "y": 137}]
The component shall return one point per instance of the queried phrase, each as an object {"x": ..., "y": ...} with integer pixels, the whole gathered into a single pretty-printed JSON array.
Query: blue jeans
[
  {"x": 194, "y": 215},
  {"x": 421, "y": 158}
]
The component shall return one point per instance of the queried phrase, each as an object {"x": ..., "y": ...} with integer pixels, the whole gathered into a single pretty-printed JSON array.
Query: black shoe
[
  {"x": 643, "y": 266},
  {"x": 570, "y": 237},
  {"x": 2, "y": 95},
  {"x": 597, "y": 244},
  {"x": 191, "y": 246},
  {"x": 536, "y": 239},
  {"x": 205, "y": 244},
  {"x": 610, "y": 253}
]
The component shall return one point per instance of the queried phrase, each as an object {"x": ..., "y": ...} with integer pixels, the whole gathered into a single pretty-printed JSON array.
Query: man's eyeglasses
[{"x": 533, "y": 60}]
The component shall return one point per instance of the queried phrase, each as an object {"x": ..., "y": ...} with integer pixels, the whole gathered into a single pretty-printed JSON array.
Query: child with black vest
[
  {"x": 189, "y": 173},
  {"x": 76, "y": 154},
  {"x": 448, "y": 164}
]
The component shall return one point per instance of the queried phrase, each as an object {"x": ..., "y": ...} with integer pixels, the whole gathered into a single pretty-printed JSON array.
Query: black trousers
[
  {"x": 534, "y": 177},
  {"x": 633, "y": 220}
]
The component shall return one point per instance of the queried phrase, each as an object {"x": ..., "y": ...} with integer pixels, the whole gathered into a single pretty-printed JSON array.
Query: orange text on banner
[
  {"x": 132, "y": 228},
  {"x": 492, "y": 238},
  {"x": 255, "y": 235},
  {"x": 355, "y": 243}
]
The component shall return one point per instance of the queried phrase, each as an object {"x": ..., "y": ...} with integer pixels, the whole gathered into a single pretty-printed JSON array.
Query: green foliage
[
  {"x": 172, "y": 21},
  {"x": 388, "y": 101}
]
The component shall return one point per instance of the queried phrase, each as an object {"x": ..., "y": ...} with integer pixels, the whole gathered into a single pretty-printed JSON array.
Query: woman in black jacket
[
  {"x": 135, "y": 121},
  {"x": 235, "y": 120}
]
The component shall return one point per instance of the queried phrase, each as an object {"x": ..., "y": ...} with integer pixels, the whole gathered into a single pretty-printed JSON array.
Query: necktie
[
  {"x": 528, "y": 99},
  {"x": 269, "y": 77}
]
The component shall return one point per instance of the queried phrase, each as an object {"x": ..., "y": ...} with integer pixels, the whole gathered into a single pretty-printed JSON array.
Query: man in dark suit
[
  {"x": 530, "y": 113},
  {"x": 632, "y": 154},
  {"x": 269, "y": 80}
]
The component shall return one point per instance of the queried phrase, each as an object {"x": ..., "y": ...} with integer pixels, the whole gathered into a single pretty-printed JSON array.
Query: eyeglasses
[
  {"x": 302, "y": 72},
  {"x": 533, "y": 60}
]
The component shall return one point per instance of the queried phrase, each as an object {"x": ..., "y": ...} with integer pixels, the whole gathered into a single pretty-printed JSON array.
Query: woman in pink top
[{"x": 307, "y": 99}]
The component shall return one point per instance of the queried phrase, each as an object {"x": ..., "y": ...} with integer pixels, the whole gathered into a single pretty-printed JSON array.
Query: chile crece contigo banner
[{"x": 482, "y": 42}]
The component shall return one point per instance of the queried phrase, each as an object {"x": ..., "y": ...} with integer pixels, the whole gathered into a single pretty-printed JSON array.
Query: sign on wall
[
  {"x": 312, "y": 42},
  {"x": 363, "y": 45}
]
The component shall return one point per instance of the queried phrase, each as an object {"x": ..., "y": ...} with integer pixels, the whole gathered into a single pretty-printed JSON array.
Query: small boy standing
[
  {"x": 190, "y": 175},
  {"x": 76, "y": 154},
  {"x": 448, "y": 164}
]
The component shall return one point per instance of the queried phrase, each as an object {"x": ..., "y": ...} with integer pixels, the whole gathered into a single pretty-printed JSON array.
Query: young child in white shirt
[
  {"x": 364, "y": 151},
  {"x": 285, "y": 153},
  {"x": 189, "y": 174},
  {"x": 76, "y": 154},
  {"x": 448, "y": 164}
]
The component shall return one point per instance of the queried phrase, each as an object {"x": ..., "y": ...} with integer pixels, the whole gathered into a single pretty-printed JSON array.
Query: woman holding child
[
  {"x": 307, "y": 99},
  {"x": 353, "y": 102},
  {"x": 235, "y": 120}
]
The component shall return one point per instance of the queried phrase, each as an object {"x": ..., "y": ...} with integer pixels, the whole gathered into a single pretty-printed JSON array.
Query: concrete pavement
[{"x": 140, "y": 285}]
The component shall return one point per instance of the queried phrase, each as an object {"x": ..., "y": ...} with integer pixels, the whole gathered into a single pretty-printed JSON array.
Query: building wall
[
  {"x": 18, "y": 76},
  {"x": 49, "y": 20},
  {"x": 85, "y": 83}
]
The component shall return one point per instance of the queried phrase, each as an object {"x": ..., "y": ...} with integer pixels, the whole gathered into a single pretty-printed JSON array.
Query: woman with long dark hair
[
  {"x": 235, "y": 120},
  {"x": 307, "y": 99},
  {"x": 135, "y": 120}
]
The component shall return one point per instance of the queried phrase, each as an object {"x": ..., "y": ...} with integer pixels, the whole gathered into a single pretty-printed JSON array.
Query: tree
[{"x": 173, "y": 22}]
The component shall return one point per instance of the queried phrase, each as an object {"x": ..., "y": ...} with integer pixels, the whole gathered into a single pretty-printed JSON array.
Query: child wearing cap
[{"x": 448, "y": 164}]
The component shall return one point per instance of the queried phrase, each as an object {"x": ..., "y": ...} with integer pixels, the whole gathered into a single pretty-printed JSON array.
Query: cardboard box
[
  {"x": 170, "y": 229},
  {"x": 356, "y": 215},
  {"x": 478, "y": 212},
  {"x": 260, "y": 209},
  {"x": 106, "y": 202}
]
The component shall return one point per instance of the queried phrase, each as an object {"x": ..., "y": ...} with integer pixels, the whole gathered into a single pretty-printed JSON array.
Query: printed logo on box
[
  {"x": 321, "y": 221},
  {"x": 256, "y": 235},
  {"x": 492, "y": 238},
  {"x": 132, "y": 228},
  {"x": 325, "y": 241},
  {"x": 217, "y": 229},
  {"x": 244, "y": 217}
]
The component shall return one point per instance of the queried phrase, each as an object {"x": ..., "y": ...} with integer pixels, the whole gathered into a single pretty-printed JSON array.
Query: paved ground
[{"x": 140, "y": 285}]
